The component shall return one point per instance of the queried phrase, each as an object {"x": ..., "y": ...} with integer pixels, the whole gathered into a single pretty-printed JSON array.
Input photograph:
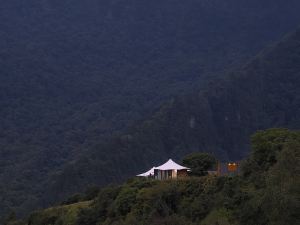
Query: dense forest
[
  {"x": 75, "y": 73},
  {"x": 266, "y": 192},
  {"x": 264, "y": 93}
]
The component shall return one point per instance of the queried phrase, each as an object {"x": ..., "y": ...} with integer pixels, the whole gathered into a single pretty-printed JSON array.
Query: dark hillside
[
  {"x": 269, "y": 183},
  {"x": 264, "y": 93},
  {"x": 74, "y": 72}
]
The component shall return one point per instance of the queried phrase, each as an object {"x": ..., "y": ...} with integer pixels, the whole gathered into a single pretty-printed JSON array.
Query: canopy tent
[
  {"x": 171, "y": 165},
  {"x": 168, "y": 170},
  {"x": 148, "y": 173}
]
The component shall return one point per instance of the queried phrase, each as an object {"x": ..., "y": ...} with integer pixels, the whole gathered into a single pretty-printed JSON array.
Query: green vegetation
[
  {"x": 200, "y": 163},
  {"x": 73, "y": 73},
  {"x": 263, "y": 94},
  {"x": 63, "y": 215},
  {"x": 266, "y": 193},
  {"x": 60, "y": 215}
]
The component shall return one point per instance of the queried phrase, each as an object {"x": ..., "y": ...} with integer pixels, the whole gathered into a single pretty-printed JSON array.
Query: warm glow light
[{"x": 232, "y": 166}]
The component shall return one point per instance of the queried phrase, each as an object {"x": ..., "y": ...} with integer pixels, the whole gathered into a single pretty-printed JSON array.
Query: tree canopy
[
  {"x": 75, "y": 73},
  {"x": 201, "y": 200},
  {"x": 200, "y": 163}
]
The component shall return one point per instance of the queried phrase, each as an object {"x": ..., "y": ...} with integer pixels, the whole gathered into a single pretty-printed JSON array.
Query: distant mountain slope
[
  {"x": 264, "y": 93},
  {"x": 268, "y": 180},
  {"x": 74, "y": 72}
]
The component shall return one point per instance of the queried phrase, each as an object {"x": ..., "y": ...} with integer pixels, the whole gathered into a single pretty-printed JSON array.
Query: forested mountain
[
  {"x": 268, "y": 183},
  {"x": 264, "y": 93},
  {"x": 74, "y": 72}
]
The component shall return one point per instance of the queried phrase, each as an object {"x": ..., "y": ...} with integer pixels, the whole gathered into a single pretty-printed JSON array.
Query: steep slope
[
  {"x": 264, "y": 93},
  {"x": 73, "y": 72},
  {"x": 268, "y": 183}
]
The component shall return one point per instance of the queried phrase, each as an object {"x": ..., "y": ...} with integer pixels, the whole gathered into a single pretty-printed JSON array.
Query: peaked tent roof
[
  {"x": 147, "y": 174},
  {"x": 171, "y": 165}
]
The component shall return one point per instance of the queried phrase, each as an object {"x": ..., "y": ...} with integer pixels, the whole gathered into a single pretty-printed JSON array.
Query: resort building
[
  {"x": 172, "y": 170},
  {"x": 231, "y": 168},
  {"x": 168, "y": 170},
  {"x": 149, "y": 173}
]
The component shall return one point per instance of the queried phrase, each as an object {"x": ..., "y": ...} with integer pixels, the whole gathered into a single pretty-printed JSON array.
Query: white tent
[
  {"x": 168, "y": 170},
  {"x": 148, "y": 173},
  {"x": 171, "y": 165}
]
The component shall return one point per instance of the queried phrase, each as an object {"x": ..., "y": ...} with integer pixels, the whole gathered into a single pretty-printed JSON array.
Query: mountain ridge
[
  {"x": 74, "y": 72},
  {"x": 252, "y": 196},
  {"x": 262, "y": 94}
]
